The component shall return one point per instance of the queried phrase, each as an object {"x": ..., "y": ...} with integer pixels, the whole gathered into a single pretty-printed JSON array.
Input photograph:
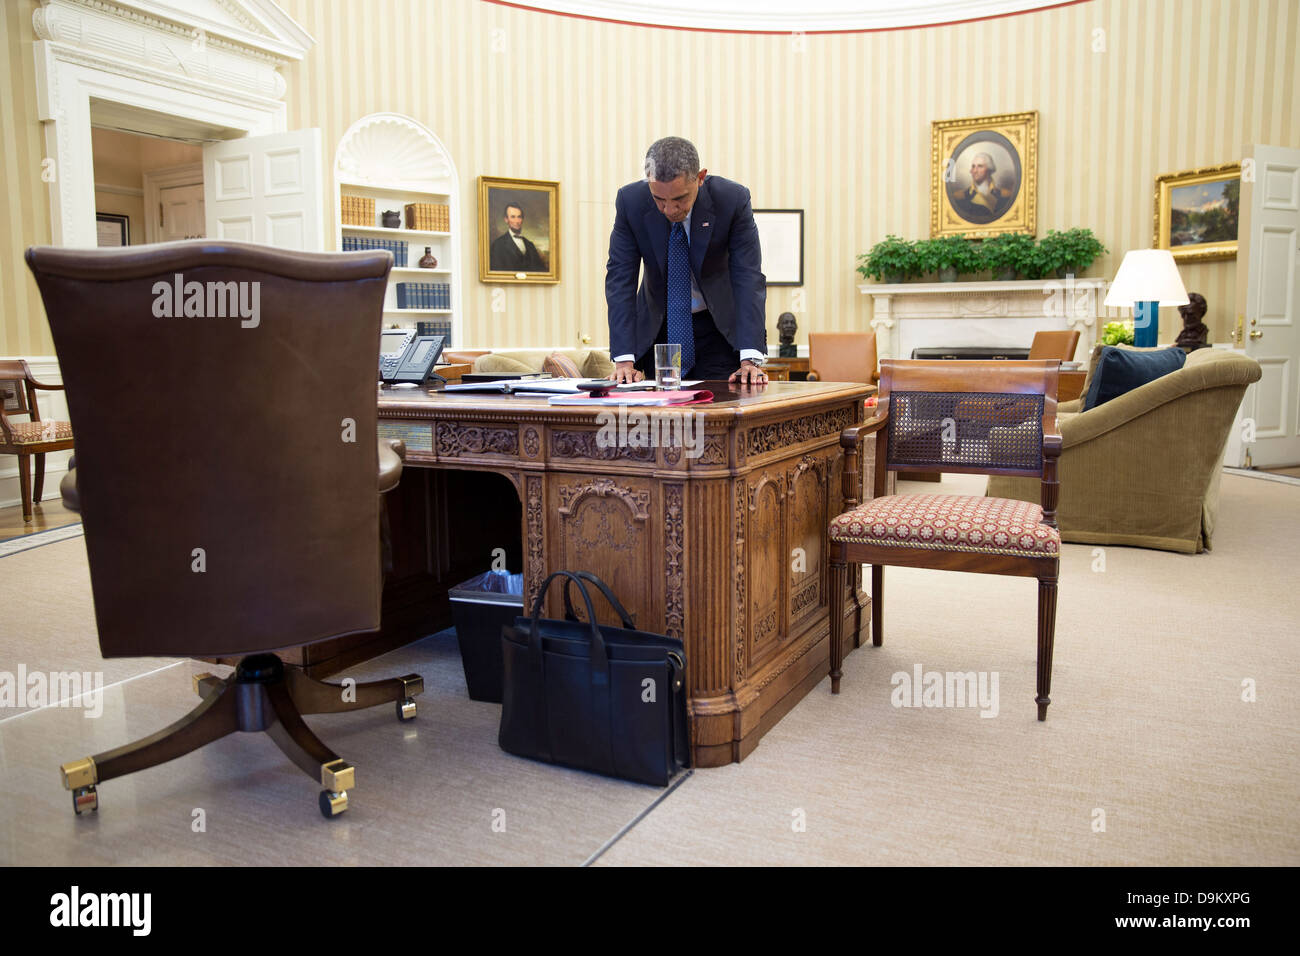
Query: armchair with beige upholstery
[
  {"x": 590, "y": 363},
  {"x": 1143, "y": 469},
  {"x": 232, "y": 504}
]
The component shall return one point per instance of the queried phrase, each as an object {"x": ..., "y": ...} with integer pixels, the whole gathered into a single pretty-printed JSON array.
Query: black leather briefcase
[{"x": 587, "y": 695}]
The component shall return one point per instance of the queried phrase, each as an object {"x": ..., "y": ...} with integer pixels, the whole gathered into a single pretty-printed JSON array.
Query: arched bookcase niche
[{"x": 390, "y": 162}]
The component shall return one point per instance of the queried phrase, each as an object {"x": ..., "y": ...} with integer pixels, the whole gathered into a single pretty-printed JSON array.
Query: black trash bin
[{"x": 480, "y": 607}]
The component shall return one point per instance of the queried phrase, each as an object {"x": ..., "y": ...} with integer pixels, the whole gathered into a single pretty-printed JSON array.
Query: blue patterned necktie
[{"x": 680, "y": 325}]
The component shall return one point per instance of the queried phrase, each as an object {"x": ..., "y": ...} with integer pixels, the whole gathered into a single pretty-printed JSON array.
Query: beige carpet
[{"x": 1147, "y": 734}]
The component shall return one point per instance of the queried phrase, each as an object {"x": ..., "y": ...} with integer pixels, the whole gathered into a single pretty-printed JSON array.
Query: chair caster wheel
[
  {"x": 85, "y": 800},
  {"x": 406, "y": 709},
  {"x": 332, "y": 803}
]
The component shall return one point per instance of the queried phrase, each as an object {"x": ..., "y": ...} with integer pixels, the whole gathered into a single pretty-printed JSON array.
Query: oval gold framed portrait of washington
[{"x": 984, "y": 175}]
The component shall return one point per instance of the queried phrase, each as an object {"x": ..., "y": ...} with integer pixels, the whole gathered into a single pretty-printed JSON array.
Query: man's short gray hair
[
  {"x": 671, "y": 157},
  {"x": 991, "y": 166}
]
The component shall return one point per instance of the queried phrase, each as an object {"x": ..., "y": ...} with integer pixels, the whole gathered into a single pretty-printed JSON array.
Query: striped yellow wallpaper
[{"x": 837, "y": 125}]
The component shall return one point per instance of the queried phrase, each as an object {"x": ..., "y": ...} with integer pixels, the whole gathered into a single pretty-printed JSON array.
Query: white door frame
[
  {"x": 155, "y": 181},
  {"x": 208, "y": 73}
]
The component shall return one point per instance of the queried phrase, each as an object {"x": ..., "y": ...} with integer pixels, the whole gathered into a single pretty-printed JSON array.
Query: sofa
[
  {"x": 591, "y": 363},
  {"x": 1143, "y": 469}
]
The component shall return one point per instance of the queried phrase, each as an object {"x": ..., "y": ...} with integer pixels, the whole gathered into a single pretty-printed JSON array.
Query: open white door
[
  {"x": 266, "y": 189},
  {"x": 1272, "y": 318}
]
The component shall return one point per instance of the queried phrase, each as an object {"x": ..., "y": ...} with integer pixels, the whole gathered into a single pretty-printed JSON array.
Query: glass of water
[{"x": 668, "y": 367}]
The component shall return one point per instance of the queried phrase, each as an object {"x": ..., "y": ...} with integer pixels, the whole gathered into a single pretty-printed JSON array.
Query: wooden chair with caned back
[
  {"x": 32, "y": 439},
  {"x": 988, "y": 418}
]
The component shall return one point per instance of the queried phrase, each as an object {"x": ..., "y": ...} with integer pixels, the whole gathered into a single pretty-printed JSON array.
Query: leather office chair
[
  {"x": 33, "y": 438},
  {"x": 1054, "y": 345},
  {"x": 842, "y": 357},
  {"x": 987, "y": 418},
  {"x": 232, "y": 506}
]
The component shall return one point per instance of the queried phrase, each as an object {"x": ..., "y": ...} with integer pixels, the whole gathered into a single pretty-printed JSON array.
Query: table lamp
[{"x": 1147, "y": 279}]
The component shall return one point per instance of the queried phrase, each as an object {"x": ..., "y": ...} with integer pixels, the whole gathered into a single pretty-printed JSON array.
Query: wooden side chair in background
[
  {"x": 988, "y": 418},
  {"x": 1054, "y": 345},
  {"x": 34, "y": 438},
  {"x": 842, "y": 357}
]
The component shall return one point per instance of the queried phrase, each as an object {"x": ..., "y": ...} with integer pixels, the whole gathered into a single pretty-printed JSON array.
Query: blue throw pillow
[{"x": 1122, "y": 370}]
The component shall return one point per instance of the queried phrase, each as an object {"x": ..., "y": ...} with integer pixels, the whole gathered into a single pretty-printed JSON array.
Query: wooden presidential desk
[{"x": 716, "y": 535}]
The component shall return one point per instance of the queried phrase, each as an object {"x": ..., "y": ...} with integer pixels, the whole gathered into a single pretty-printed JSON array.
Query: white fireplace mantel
[{"x": 995, "y": 314}]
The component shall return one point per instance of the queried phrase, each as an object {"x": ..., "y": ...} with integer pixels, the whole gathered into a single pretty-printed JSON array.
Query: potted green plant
[
  {"x": 1070, "y": 251},
  {"x": 1117, "y": 333},
  {"x": 952, "y": 256},
  {"x": 1007, "y": 254},
  {"x": 890, "y": 260},
  {"x": 1079, "y": 247}
]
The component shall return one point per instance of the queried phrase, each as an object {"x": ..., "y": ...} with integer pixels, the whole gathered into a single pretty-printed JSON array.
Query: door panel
[
  {"x": 266, "y": 189},
  {"x": 182, "y": 212},
  {"x": 1271, "y": 240}
]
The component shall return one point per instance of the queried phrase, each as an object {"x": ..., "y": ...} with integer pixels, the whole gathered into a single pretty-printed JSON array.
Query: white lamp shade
[{"x": 1147, "y": 275}]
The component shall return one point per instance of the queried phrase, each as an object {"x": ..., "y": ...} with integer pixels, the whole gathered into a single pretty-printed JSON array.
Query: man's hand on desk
[
  {"x": 625, "y": 372},
  {"x": 749, "y": 374}
]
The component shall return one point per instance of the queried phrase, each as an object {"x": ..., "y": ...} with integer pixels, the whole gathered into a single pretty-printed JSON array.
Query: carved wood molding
[
  {"x": 767, "y": 479},
  {"x": 584, "y": 444},
  {"x": 777, "y": 435},
  {"x": 456, "y": 440},
  {"x": 806, "y": 463},
  {"x": 805, "y": 598},
  {"x": 638, "y": 502},
  {"x": 674, "y": 548},
  {"x": 535, "y": 543},
  {"x": 715, "y": 450},
  {"x": 738, "y": 494},
  {"x": 789, "y": 661},
  {"x": 532, "y": 443}
]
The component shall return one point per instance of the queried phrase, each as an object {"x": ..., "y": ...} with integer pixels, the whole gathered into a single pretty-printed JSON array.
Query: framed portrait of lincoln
[
  {"x": 518, "y": 230},
  {"x": 984, "y": 175}
]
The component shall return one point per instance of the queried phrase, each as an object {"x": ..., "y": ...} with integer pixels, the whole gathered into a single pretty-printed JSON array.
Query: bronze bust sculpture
[
  {"x": 1195, "y": 334},
  {"x": 786, "y": 325}
]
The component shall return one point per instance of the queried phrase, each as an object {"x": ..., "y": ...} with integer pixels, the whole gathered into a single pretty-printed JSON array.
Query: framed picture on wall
[
  {"x": 780, "y": 237},
  {"x": 984, "y": 175},
  {"x": 1196, "y": 212},
  {"x": 112, "y": 229},
  {"x": 518, "y": 230}
]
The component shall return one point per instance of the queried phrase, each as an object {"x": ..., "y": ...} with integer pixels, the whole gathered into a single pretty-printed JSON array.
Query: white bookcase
[{"x": 395, "y": 160}]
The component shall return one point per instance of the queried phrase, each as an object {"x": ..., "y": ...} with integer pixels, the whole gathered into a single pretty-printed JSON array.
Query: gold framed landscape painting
[
  {"x": 1197, "y": 212},
  {"x": 984, "y": 175},
  {"x": 518, "y": 230}
]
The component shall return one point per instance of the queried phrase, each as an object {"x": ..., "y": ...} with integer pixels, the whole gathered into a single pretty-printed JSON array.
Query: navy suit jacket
[{"x": 725, "y": 258}]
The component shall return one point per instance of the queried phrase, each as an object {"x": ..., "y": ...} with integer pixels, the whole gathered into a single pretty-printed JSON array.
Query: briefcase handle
[
  {"x": 609, "y": 596},
  {"x": 599, "y": 656}
]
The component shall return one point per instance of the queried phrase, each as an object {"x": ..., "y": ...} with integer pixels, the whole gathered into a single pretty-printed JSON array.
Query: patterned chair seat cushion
[
  {"x": 27, "y": 433},
  {"x": 950, "y": 523}
]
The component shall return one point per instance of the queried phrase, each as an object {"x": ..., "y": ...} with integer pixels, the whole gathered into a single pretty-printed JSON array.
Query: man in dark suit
[
  {"x": 514, "y": 252},
  {"x": 693, "y": 239}
]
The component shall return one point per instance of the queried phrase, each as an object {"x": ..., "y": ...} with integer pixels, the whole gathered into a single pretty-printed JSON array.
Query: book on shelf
[
  {"x": 358, "y": 211},
  {"x": 429, "y": 217},
  {"x": 440, "y": 327}
]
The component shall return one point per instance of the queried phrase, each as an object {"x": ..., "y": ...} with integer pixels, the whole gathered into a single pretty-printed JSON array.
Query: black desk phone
[{"x": 408, "y": 359}]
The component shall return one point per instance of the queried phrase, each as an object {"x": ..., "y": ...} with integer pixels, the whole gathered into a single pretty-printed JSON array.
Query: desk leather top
[{"x": 728, "y": 400}]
